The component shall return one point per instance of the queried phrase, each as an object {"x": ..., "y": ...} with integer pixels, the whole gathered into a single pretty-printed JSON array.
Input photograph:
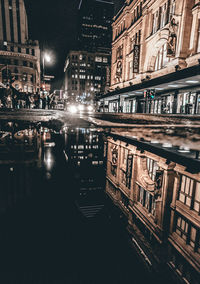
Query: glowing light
[
  {"x": 47, "y": 58},
  {"x": 72, "y": 109},
  {"x": 81, "y": 107},
  {"x": 90, "y": 108}
]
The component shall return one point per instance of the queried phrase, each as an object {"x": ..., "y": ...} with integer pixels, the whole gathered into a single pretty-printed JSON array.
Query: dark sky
[{"x": 53, "y": 23}]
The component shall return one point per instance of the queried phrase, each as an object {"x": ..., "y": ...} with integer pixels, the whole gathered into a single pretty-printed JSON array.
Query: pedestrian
[
  {"x": 48, "y": 102},
  {"x": 27, "y": 100},
  {"x": 44, "y": 101}
]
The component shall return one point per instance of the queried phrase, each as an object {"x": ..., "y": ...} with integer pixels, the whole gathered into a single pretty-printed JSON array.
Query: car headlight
[
  {"x": 72, "y": 109},
  {"x": 90, "y": 108},
  {"x": 81, "y": 107}
]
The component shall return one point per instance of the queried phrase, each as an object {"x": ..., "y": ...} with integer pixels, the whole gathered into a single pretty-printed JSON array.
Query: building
[
  {"x": 19, "y": 56},
  {"x": 94, "y": 27},
  {"x": 85, "y": 152},
  {"x": 87, "y": 69},
  {"x": 85, "y": 74},
  {"x": 158, "y": 192},
  {"x": 155, "y": 58}
]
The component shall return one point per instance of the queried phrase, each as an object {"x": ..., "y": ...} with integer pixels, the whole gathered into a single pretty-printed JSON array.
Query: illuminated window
[
  {"x": 98, "y": 59},
  {"x": 105, "y": 59}
]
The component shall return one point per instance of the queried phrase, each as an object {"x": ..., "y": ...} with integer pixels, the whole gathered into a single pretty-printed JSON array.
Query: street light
[{"x": 47, "y": 58}]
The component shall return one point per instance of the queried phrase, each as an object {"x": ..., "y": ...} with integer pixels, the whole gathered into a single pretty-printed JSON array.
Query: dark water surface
[{"x": 56, "y": 223}]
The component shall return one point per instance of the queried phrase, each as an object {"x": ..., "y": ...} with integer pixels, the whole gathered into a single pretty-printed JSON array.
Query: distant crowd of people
[{"x": 9, "y": 98}]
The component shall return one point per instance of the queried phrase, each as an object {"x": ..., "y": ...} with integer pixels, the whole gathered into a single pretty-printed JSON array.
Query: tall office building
[
  {"x": 95, "y": 31},
  {"x": 87, "y": 69},
  {"x": 19, "y": 56}
]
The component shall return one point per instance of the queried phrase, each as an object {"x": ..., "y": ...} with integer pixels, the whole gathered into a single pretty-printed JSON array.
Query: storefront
[
  {"x": 130, "y": 106},
  {"x": 113, "y": 106},
  {"x": 188, "y": 103}
]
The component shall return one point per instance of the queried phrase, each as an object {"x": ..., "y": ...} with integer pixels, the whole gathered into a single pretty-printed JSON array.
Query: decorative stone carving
[
  {"x": 119, "y": 71},
  {"x": 172, "y": 38}
]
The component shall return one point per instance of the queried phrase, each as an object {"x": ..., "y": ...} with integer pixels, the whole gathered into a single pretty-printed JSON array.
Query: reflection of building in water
[
  {"x": 18, "y": 157},
  {"x": 85, "y": 152},
  {"x": 161, "y": 202}
]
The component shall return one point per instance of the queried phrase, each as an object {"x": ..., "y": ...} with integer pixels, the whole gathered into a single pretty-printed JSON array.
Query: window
[
  {"x": 124, "y": 156},
  {"x": 188, "y": 232},
  {"x": 24, "y": 63},
  {"x": 105, "y": 60},
  {"x": 189, "y": 193},
  {"x": 98, "y": 59},
  {"x": 147, "y": 200},
  {"x": 33, "y": 52},
  {"x": 98, "y": 78},
  {"x": 27, "y": 50},
  {"x": 163, "y": 16},
  {"x": 124, "y": 200},
  {"x": 152, "y": 167},
  {"x": 24, "y": 78},
  {"x": 155, "y": 22},
  {"x": 161, "y": 58}
]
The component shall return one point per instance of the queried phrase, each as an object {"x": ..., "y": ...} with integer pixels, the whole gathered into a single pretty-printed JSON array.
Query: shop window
[{"x": 189, "y": 193}]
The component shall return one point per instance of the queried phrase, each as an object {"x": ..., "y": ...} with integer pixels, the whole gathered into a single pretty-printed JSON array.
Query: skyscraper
[
  {"x": 95, "y": 31},
  {"x": 19, "y": 56}
]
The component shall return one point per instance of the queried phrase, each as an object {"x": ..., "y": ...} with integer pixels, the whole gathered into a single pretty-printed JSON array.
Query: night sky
[{"x": 54, "y": 24}]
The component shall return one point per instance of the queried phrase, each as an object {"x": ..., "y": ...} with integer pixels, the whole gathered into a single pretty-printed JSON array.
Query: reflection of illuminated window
[
  {"x": 188, "y": 232},
  {"x": 189, "y": 193},
  {"x": 147, "y": 200},
  {"x": 152, "y": 167}
]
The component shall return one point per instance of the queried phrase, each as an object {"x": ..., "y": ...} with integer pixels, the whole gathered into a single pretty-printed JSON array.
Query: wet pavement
[
  {"x": 57, "y": 224},
  {"x": 50, "y": 232}
]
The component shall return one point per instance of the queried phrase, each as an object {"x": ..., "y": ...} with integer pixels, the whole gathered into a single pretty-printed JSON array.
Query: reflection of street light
[{"x": 47, "y": 58}]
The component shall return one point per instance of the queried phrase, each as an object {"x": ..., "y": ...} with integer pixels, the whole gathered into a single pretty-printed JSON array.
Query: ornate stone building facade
[
  {"x": 155, "y": 49},
  {"x": 160, "y": 199},
  {"x": 19, "y": 56}
]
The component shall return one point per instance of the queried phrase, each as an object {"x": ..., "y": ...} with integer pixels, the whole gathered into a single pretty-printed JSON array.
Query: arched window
[{"x": 161, "y": 58}]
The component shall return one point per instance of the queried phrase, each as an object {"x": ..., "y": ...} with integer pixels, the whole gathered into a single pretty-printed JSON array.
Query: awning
[{"x": 185, "y": 79}]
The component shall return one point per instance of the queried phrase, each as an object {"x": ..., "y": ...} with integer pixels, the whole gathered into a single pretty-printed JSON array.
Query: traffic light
[
  {"x": 152, "y": 94},
  {"x": 149, "y": 94}
]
